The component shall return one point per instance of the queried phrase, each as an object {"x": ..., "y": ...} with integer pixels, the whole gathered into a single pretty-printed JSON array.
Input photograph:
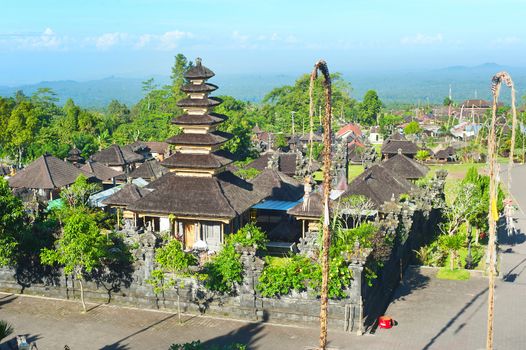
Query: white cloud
[
  {"x": 170, "y": 40},
  {"x": 240, "y": 38},
  {"x": 422, "y": 39},
  {"x": 107, "y": 40},
  {"x": 505, "y": 41},
  {"x": 47, "y": 39}
]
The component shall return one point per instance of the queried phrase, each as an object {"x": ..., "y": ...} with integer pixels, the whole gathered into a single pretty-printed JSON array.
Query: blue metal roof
[{"x": 276, "y": 205}]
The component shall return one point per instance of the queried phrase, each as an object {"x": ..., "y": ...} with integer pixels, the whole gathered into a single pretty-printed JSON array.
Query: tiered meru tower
[{"x": 197, "y": 150}]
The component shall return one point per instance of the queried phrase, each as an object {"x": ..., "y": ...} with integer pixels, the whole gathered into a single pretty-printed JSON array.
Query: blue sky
[{"x": 81, "y": 40}]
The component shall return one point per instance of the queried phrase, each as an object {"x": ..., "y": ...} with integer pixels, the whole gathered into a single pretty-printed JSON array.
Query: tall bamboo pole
[
  {"x": 493, "y": 188},
  {"x": 327, "y": 135}
]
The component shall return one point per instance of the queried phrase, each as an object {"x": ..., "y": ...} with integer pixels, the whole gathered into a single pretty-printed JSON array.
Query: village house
[
  {"x": 107, "y": 176},
  {"x": 150, "y": 170},
  {"x": 118, "y": 158},
  {"x": 45, "y": 177},
  {"x": 397, "y": 142},
  {"x": 375, "y": 137}
]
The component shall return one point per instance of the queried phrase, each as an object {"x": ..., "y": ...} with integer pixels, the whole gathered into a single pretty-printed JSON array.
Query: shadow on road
[
  {"x": 455, "y": 318},
  {"x": 119, "y": 345},
  {"x": 7, "y": 299}
]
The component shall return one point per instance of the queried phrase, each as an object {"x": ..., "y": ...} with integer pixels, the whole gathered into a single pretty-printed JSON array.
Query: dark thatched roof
[
  {"x": 100, "y": 171},
  {"x": 286, "y": 162},
  {"x": 199, "y": 102},
  {"x": 313, "y": 208},
  {"x": 160, "y": 147},
  {"x": 223, "y": 196},
  {"x": 149, "y": 170},
  {"x": 214, "y": 160},
  {"x": 405, "y": 167},
  {"x": 117, "y": 156},
  {"x": 207, "y": 119},
  {"x": 209, "y": 139},
  {"x": 74, "y": 156},
  {"x": 198, "y": 71},
  {"x": 379, "y": 185},
  {"x": 396, "y": 136},
  {"x": 277, "y": 186},
  {"x": 47, "y": 172},
  {"x": 193, "y": 88},
  {"x": 392, "y": 147},
  {"x": 129, "y": 193}
]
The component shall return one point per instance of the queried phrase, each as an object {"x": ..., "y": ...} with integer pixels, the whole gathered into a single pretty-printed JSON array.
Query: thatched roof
[
  {"x": 129, "y": 193},
  {"x": 47, "y": 172},
  {"x": 222, "y": 196},
  {"x": 396, "y": 136},
  {"x": 116, "y": 155},
  {"x": 74, "y": 155},
  {"x": 206, "y": 119},
  {"x": 198, "y": 71},
  {"x": 193, "y": 88},
  {"x": 392, "y": 147},
  {"x": 199, "y": 102},
  {"x": 213, "y": 160},
  {"x": 277, "y": 186},
  {"x": 379, "y": 185},
  {"x": 405, "y": 167},
  {"x": 100, "y": 171},
  {"x": 209, "y": 139},
  {"x": 149, "y": 170},
  {"x": 311, "y": 209},
  {"x": 286, "y": 162}
]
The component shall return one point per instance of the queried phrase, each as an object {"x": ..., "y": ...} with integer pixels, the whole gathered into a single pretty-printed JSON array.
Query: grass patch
[
  {"x": 456, "y": 275},
  {"x": 354, "y": 171}
]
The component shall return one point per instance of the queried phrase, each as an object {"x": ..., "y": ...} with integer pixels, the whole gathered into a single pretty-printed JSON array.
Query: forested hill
[{"x": 410, "y": 87}]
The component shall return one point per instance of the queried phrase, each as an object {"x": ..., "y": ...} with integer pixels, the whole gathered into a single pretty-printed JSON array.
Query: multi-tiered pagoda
[
  {"x": 198, "y": 200},
  {"x": 197, "y": 150}
]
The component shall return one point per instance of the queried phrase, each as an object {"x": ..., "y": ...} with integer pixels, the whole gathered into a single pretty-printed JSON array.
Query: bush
[{"x": 225, "y": 270}]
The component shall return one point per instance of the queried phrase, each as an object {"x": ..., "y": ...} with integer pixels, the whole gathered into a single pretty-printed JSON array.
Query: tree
[
  {"x": 12, "y": 216},
  {"x": 21, "y": 129},
  {"x": 280, "y": 141},
  {"x": 180, "y": 66},
  {"x": 80, "y": 249},
  {"x": 147, "y": 87},
  {"x": 77, "y": 194},
  {"x": 172, "y": 262},
  {"x": 369, "y": 108},
  {"x": 447, "y": 101},
  {"x": 422, "y": 155},
  {"x": 412, "y": 128}
]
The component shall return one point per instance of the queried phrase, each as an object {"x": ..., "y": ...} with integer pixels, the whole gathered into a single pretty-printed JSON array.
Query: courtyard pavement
[{"x": 431, "y": 314}]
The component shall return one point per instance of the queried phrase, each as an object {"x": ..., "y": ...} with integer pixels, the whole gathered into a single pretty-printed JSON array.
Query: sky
[{"x": 92, "y": 39}]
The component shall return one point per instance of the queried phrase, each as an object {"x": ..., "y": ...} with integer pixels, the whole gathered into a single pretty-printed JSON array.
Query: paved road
[{"x": 431, "y": 314}]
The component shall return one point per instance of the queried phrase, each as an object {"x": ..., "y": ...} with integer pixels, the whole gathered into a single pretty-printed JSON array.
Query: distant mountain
[{"x": 392, "y": 87}]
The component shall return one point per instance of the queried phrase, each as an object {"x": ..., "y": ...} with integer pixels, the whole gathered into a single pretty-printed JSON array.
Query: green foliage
[
  {"x": 12, "y": 225},
  {"x": 317, "y": 150},
  {"x": 172, "y": 261},
  {"x": 249, "y": 236},
  {"x": 422, "y": 155},
  {"x": 456, "y": 274},
  {"x": 247, "y": 173},
  {"x": 412, "y": 128},
  {"x": 77, "y": 194},
  {"x": 81, "y": 247},
  {"x": 5, "y": 329},
  {"x": 225, "y": 270},
  {"x": 282, "y": 275},
  {"x": 479, "y": 198},
  {"x": 278, "y": 103},
  {"x": 196, "y": 345},
  {"x": 431, "y": 255},
  {"x": 369, "y": 108},
  {"x": 388, "y": 122}
]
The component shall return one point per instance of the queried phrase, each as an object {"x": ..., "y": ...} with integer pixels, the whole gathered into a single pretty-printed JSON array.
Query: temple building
[
  {"x": 199, "y": 201},
  {"x": 74, "y": 157},
  {"x": 118, "y": 158}
]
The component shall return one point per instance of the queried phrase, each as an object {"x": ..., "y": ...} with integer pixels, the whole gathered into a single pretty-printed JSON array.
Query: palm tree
[
  {"x": 5, "y": 329},
  {"x": 327, "y": 135}
]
